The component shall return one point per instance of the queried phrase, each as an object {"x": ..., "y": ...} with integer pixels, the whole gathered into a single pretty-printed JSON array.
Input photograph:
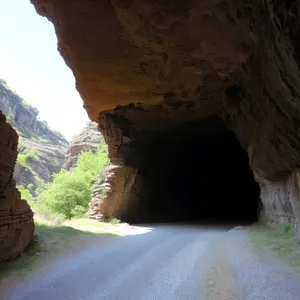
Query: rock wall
[
  {"x": 16, "y": 217},
  {"x": 87, "y": 140},
  {"x": 263, "y": 108},
  {"x": 24, "y": 117},
  {"x": 169, "y": 62},
  {"x": 281, "y": 201},
  {"x": 118, "y": 181},
  {"x": 38, "y": 169}
]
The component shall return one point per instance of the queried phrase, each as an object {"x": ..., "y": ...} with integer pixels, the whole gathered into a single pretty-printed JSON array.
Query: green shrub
[
  {"x": 79, "y": 211},
  {"x": 115, "y": 221},
  {"x": 104, "y": 192},
  {"x": 24, "y": 157},
  {"x": 41, "y": 183},
  {"x": 30, "y": 187},
  {"x": 287, "y": 228},
  {"x": 69, "y": 193},
  {"x": 10, "y": 117},
  {"x": 26, "y": 194},
  {"x": 22, "y": 147}
]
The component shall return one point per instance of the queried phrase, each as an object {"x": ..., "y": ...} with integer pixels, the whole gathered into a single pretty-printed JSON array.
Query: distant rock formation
[
  {"x": 24, "y": 117},
  {"x": 16, "y": 217},
  {"x": 87, "y": 140},
  {"x": 41, "y": 150},
  {"x": 37, "y": 162}
]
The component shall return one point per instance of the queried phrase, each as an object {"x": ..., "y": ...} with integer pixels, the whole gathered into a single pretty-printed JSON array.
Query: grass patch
[
  {"x": 282, "y": 243},
  {"x": 88, "y": 225},
  {"x": 52, "y": 240},
  {"x": 115, "y": 221}
]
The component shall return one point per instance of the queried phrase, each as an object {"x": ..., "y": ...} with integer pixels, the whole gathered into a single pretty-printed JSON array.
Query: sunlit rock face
[
  {"x": 149, "y": 71},
  {"x": 88, "y": 140},
  {"x": 16, "y": 217},
  {"x": 24, "y": 118}
]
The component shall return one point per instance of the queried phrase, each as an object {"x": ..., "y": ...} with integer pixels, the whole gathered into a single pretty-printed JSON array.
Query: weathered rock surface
[
  {"x": 87, "y": 140},
  {"x": 24, "y": 117},
  {"x": 115, "y": 183},
  {"x": 146, "y": 66},
  {"x": 38, "y": 169},
  {"x": 16, "y": 217},
  {"x": 280, "y": 200},
  {"x": 45, "y": 148}
]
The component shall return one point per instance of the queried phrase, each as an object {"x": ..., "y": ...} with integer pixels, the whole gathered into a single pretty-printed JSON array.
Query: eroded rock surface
[
  {"x": 41, "y": 150},
  {"x": 146, "y": 66},
  {"x": 24, "y": 117},
  {"x": 16, "y": 217},
  {"x": 87, "y": 140}
]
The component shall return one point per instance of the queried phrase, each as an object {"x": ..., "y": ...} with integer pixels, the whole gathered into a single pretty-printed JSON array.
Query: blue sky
[{"x": 32, "y": 66}]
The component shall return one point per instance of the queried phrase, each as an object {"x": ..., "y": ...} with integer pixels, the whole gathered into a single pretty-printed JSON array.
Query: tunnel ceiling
[{"x": 139, "y": 51}]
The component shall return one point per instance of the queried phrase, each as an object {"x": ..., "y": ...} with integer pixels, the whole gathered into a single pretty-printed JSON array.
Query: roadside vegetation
[
  {"x": 68, "y": 195},
  {"x": 281, "y": 243},
  {"x": 60, "y": 212},
  {"x": 60, "y": 207},
  {"x": 70, "y": 192}
]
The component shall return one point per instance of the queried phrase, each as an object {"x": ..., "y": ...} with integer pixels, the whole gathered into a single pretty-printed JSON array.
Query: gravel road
[{"x": 169, "y": 261}]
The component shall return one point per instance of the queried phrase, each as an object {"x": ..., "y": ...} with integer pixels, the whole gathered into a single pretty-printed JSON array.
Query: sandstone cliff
[
  {"x": 88, "y": 139},
  {"x": 149, "y": 69},
  {"x": 16, "y": 217},
  {"x": 41, "y": 150}
]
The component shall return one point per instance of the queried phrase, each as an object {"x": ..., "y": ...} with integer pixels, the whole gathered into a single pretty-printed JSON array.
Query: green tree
[
  {"x": 69, "y": 193},
  {"x": 26, "y": 194}
]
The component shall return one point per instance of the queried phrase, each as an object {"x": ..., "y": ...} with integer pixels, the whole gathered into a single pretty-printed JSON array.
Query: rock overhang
[
  {"x": 150, "y": 64},
  {"x": 126, "y": 52}
]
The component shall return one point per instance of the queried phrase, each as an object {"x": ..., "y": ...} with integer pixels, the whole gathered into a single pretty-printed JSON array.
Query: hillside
[{"x": 41, "y": 150}]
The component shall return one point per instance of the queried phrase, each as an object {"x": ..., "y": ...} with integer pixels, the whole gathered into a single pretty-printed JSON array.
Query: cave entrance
[{"x": 195, "y": 171}]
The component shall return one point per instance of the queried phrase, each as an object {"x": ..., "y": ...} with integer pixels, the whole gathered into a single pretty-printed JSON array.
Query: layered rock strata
[
  {"x": 88, "y": 140},
  {"x": 149, "y": 65},
  {"x": 41, "y": 150},
  {"x": 16, "y": 217}
]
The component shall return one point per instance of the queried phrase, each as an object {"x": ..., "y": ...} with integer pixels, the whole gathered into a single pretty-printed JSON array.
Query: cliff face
[
  {"x": 16, "y": 217},
  {"x": 24, "y": 117},
  {"x": 41, "y": 150},
  {"x": 87, "y": 140},
  {"x": 37, "y": 162},
  {"x": 150, "y": 71}
]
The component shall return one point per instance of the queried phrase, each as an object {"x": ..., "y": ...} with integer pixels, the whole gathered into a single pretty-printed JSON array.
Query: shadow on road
[{"x": 48, "y": 243}]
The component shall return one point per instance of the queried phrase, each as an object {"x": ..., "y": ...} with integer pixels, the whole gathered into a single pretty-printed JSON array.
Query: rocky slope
[
  {"x": 41, "y": 150},
  {"x": 149, "y": 69},
  {"x": 16, "y": 217},
  {"x": 88, "y": 139}
]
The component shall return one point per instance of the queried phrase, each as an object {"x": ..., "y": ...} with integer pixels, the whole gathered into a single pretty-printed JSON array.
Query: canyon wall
[
  {"x": 41, "y": 150},
  {"x": 145, "y": 67},
  {"x": 87, "y": 140},
  {"x": 16, "y": 217},
  {"x": 24, "y": 117}
]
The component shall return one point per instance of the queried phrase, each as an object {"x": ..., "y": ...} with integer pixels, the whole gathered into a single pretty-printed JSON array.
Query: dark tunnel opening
[{"x": 193, "y": 172}]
